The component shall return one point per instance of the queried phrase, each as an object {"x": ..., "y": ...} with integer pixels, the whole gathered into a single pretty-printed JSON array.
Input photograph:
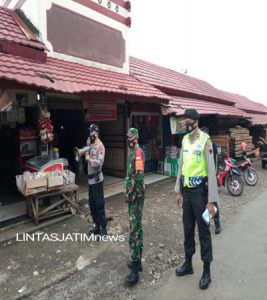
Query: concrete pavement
[{"x": 239, "y": 269}]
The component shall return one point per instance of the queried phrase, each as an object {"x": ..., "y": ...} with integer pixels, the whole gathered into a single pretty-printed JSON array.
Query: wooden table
[{"x": 68, "y": 194}]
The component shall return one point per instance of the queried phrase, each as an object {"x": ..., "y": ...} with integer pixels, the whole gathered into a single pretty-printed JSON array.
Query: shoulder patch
[{"x": 101, "y": 150}]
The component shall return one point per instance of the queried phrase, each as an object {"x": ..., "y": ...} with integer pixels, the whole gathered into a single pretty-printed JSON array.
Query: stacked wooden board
[
  {"x": 222, "y": 142},
  {"x": 237, "y": 136}
]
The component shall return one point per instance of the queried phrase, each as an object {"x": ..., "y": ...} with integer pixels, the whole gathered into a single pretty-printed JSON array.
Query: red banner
[{"x": 100, "y": 110}]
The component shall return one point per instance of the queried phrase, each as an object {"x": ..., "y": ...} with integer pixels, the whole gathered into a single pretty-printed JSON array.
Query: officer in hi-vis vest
[
  {"x": 135, "y": 196},
  {"x": 196, "y": 189}
]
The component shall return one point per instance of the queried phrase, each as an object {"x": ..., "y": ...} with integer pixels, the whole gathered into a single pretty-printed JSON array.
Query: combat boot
[
  {"x": 218, "y": 228},
  {"x": 130, "y": 265},
  {"x": 103, "y": 232},
  {"x": 95, "y": 230},
  {"x": 133, "y": 277},
  {"x": 205, "y": 279},
  {"x": 186, "y": 267}
]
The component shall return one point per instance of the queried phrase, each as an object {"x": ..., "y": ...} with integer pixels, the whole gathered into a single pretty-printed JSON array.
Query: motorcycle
[
  {"x": 249, "y": 173},
  {"x": 230, "y": 176}
]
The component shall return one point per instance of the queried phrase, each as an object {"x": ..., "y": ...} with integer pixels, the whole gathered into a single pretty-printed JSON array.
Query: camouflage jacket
[{"x": 134, "y": 180}]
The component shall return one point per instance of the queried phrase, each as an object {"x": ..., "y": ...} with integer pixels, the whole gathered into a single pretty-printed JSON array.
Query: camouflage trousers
[{"x": 135, "y": 207}]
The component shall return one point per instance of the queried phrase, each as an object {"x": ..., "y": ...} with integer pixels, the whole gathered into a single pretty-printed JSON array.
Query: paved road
[{"x": 239, "y": 269}]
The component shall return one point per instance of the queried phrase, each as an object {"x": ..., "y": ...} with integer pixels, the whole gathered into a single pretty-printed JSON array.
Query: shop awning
[
  {"x": 178, "y": 104},
  {"x": 68, "y": 77}
]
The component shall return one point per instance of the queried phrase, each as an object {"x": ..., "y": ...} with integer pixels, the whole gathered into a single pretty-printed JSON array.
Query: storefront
[
  {"x": 67, "y": 117},
  {"x": 18, "y": 133},
  {"x": 147, "y": 119}
]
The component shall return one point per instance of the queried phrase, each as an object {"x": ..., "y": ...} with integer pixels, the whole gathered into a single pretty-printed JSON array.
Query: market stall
[{"x": 48, "y": 194}]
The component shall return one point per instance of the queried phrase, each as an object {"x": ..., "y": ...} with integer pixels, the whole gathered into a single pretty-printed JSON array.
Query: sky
[{"x": 223, "y": 42}]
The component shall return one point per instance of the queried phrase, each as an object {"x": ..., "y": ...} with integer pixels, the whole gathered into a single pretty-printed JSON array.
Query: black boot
[
  {"x": 218, "y": 228},
  {"x": 186, "y": 267},
  {"x": 103, "y": 232},
  {"x": 95, "y": 230},
  {"x": 133, "y": 277},
  {"x": 205, "y": 280},
  {"x": 130, "y": 265}
]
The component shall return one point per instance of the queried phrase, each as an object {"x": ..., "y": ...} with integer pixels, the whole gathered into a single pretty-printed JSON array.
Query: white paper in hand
[{"x": 206, "y": 215}]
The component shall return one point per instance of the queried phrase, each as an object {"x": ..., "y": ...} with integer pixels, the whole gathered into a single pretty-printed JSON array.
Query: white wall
[{"x": 35, "y": 10}]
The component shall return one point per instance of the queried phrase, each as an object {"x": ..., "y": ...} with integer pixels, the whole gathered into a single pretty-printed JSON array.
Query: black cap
[
  {"x": 94, "y": 127},
  {"x": 191, "y": 113}
]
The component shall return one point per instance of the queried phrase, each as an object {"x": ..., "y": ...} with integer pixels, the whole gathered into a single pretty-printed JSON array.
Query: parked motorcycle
[
  {"x": 249, "y": 173},
  {"x": 230, "y": 175}
]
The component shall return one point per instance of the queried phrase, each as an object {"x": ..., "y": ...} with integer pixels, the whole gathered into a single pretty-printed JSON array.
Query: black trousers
[
  {"x": 194, "y": 204},
  {"x": 97, "y": 204}
]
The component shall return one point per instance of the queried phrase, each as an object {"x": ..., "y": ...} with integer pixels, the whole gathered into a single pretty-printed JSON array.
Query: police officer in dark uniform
[
  {"x": 95, "y": 159},
  {"x": 196, "y": 189}
]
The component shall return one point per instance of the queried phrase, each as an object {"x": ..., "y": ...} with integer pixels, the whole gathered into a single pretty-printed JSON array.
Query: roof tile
[
  {"x": 12, "y": 32},
  {"x": 164, "y": 78},
  {"x": 69, "y": 77},
  {"x": 178, "y": 104}
]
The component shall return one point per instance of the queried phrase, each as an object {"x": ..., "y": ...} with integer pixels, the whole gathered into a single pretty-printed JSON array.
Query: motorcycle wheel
[
  {"x": 251, "y": 177},
  {"x": 234, "y": 185}
]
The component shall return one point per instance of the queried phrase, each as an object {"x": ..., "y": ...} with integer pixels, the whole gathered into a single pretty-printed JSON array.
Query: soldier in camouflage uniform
[{"x": 135, "y": 196}]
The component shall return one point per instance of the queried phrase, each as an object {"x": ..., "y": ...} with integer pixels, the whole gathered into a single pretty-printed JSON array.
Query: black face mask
[
  {"x": 131, "y": 144},
  {"x": 92, "y": 138},
  {"x": 190, "y": 126}
]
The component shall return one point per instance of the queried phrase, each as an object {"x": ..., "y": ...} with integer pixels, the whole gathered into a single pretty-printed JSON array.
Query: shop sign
[
  {"x": 177, "y": 125},
  {"x": 100, "y": 110}
]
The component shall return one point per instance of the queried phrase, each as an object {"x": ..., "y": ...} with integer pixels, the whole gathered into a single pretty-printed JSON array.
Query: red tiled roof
[
  {"x": 258, "y": 119},
  {"x": 69, "y": 77},
  {"x": 178, "y": 104},
  {"x": 167, "y": 79},
  {"x": 246, "y": 104},
  {"x": 11, "y": 31}
]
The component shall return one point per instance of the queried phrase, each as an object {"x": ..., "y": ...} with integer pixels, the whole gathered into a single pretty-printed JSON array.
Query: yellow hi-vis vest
[{"x": 194, "y": 165}]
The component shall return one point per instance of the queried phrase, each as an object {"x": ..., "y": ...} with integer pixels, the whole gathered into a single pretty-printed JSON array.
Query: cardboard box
[
  {"x": 55, "y": 180},
  {"x": 31, "y": 186}
]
